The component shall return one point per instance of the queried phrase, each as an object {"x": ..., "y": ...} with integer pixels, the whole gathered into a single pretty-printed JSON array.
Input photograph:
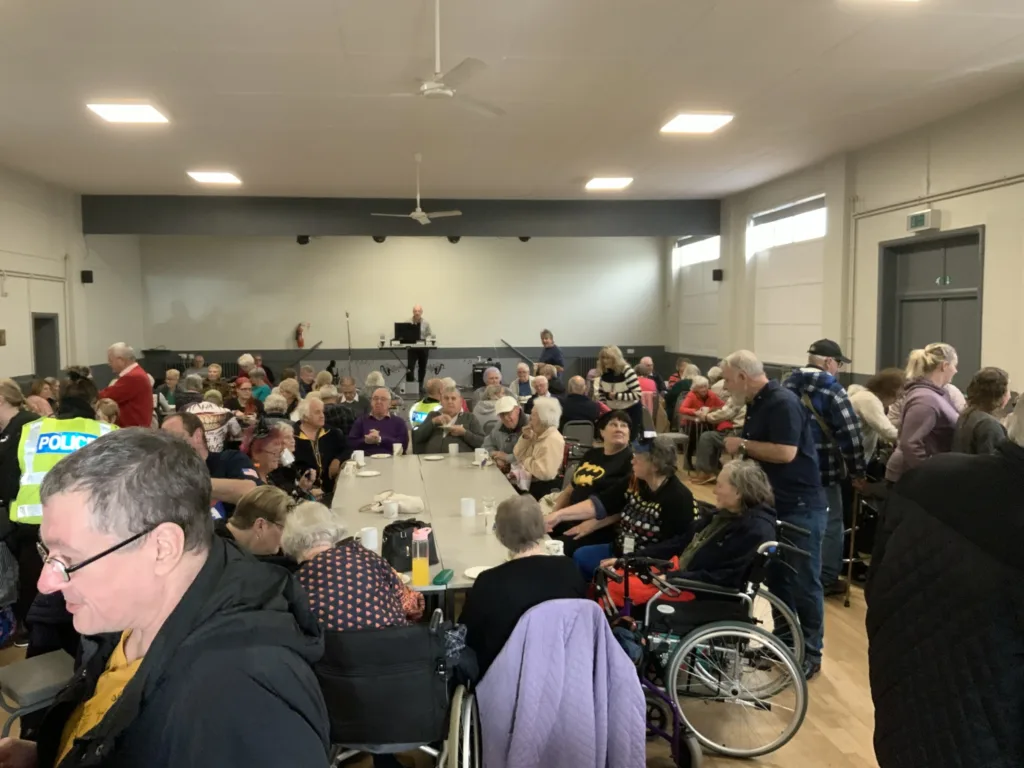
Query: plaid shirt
[{"x": 833, "y": 406}]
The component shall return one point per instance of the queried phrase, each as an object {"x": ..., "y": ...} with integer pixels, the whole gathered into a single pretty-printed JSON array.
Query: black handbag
[{"x": 396, "y": 546}]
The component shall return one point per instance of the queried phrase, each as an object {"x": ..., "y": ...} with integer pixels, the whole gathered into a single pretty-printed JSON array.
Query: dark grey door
[
  {"x": 46, "y": 344},
  {"x": 930, "y": 291}
]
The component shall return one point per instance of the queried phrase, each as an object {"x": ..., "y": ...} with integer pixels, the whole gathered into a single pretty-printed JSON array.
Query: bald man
[
  {"x": 419, "y": 355},
  {"x": 658, "y": 381}
]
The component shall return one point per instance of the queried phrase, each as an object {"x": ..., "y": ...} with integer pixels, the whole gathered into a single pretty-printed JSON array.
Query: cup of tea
[
  {"x": 468, "y": 507},
  {"x": 368, "y": 538},
  {"x": 396, "y": 449},
  {"x": 359, "y": 457},
  {"x": 453, "y": 448},
  {"x": 390, "y": 509}
]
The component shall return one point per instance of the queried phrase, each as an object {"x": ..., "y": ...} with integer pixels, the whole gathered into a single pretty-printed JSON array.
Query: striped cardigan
[{"x": 618, "y": 391}]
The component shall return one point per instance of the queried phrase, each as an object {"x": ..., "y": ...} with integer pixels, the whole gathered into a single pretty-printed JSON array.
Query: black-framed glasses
[{"x": 65, "y": 571}]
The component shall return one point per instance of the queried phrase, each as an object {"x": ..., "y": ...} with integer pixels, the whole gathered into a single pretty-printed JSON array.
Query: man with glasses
[
  {"x": 231, "y": 473},
  {"x": 837, "y": 437},
  {"x": 378, "y": 431},
  {"x": 193, "y": 653}
]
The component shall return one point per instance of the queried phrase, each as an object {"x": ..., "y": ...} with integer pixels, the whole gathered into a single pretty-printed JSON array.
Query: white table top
[{"x": 461, "y": 542}]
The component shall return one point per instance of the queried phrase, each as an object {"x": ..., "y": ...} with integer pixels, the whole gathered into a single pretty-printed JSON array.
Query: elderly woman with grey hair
[
  {"x": 540, "y": 450},
  {"x": 349, "y": 586},
  {"x": 448, "y": 426},
  {"x": 657, "y": 507},
  {"x": 492, "y": 378},
  {"x": 484, "y": 410},
  {"x": 501, "y": 595},
  {"x": 192, "y": 393},
  {"x": 721, "y": 546}
]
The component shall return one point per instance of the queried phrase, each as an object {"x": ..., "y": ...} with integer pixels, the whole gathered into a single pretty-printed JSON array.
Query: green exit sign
[
  {"x": 918, "y": 221},
  {"x": 922, "y": 221}
]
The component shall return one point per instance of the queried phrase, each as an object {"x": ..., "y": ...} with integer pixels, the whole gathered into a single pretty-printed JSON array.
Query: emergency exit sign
[{"x": 923, "y": 221}]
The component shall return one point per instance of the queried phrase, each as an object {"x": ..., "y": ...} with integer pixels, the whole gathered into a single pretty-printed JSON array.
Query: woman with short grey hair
[
  {"x": 540, "y": 450},
  {"x": 501, "y": 595},
  {"x": 349, "y": 586},
  {"x": 193, "y": 393},
  {"x": 657, "y": 508}
]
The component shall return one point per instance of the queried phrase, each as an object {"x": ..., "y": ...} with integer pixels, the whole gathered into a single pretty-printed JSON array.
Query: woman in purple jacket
[{"x": 929, "y": 418}]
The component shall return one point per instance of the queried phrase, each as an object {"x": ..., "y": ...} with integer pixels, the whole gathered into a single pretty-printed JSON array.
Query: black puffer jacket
[
  {"x": 227, "y": 682},
  {"x": 946, "y": 615}
]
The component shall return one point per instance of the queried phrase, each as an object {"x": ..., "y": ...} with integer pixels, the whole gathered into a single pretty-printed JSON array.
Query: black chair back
[{"x": 385, "y": 686}]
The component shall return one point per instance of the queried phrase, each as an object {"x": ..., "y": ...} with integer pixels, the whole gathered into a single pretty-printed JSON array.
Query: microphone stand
[{"x": 348, "y": 327}]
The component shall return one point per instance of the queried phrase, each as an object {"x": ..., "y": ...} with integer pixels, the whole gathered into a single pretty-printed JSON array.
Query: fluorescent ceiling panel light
[
  {"x": 128, "y": 113},
  {"x": 214, "y": 177},
  {"x": 695, "y": 123},
  {"x": 606, "y": 183}
]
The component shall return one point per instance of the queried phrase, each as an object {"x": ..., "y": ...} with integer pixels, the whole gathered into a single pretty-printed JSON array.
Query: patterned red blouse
[{"x": 350, "y": 587}]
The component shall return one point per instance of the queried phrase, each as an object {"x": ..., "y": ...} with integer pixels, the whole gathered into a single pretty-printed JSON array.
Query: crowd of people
[{"x": 237, "y": 475}]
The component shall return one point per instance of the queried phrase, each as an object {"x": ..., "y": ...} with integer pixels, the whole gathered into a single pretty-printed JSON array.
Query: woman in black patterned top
[
  {"x": 349, "y": 586},
  {"x": 657, "y": 507},
  {"x": 617, "y": 386}
]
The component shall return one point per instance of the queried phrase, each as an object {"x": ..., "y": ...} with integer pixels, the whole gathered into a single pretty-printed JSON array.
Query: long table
[{"x": 461, "y": 542}]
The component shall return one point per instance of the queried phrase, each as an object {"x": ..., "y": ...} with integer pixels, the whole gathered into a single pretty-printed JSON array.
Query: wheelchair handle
[
  {"x": 632, "y": 560},
  {"x": 773, "y": 548},
  {"x": 608, "y": 573},
  {"x": 782, "y": 525}
]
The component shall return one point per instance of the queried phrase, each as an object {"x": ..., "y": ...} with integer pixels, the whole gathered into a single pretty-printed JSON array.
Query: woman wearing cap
[{"x": 657, "y": 507}]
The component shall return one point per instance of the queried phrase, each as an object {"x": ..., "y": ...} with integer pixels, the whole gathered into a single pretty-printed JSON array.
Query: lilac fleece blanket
[{"x": 562, "y": 694}]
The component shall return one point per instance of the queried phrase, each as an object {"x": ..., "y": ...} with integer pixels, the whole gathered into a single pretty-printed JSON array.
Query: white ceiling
[{"x": 291, "y": 94}]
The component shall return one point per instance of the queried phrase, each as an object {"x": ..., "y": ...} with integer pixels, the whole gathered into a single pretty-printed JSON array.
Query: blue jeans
[
  {"x": 588, "y": 558},
  {"x": 800, "y": 589},
  {"x": 832, "y": 544}
]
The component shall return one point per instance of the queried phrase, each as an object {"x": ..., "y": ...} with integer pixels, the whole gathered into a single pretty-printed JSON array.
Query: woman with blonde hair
[
  {"x": 322, "y": 380},
  {"x": 928, "y": 417},
  {"x": 107, "y": 410},
  {"x": 289, "y": 389},
  {"x": 616, "y": 385},
  {"x": 257, "y": 523}
]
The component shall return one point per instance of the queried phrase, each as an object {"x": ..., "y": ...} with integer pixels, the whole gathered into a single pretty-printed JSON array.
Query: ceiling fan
[
  {"x": 419, "y": 214},
  {"x": 445, "y": 85}
]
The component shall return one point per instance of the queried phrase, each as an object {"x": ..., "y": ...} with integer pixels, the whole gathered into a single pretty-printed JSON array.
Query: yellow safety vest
[{"x": 43, "y": 444}]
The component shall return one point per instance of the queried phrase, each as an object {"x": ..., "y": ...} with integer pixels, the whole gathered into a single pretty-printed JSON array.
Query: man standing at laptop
[{"x": 419, "y": 354}]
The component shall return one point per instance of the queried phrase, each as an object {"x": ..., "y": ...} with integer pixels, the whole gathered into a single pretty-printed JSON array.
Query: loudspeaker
[
  {"x": 717, "y": 275},
  {"x": 86, "y": 275}
]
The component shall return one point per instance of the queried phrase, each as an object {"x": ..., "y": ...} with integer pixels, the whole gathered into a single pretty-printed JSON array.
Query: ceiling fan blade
[
  {"x": 444, "y": 214},
  {"x": 463, "y": 72},
  {"x": 482, "y": 107},
  {"x": 392, "y": 215}
]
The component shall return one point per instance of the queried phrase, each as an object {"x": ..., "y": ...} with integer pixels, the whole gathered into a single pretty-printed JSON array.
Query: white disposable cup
[
  {"x": 359, "y": 457},
  {"x": 480, "y": 454},
  {"x": 554, "y": 547},
  {"x": 391, "y": 509},
  {"x": 349, "y": 469},
  {"x": 368, "y": 538},
  {"x": 468, "y": 507},
  {"x": 396, "y": 449},
  {"x": 453, "y": 448}
]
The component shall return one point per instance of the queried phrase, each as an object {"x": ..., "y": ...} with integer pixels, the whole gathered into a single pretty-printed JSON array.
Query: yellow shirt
[{"x": 109, "y": 687}]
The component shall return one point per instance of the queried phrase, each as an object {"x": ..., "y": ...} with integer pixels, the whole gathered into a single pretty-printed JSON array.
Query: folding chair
[{"x": 32, "y": 684}]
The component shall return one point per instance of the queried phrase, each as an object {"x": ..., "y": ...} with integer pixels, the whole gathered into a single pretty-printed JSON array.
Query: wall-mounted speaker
[
  {"x": 86, "y": 275},
  {"x": 717, "y": 275}
]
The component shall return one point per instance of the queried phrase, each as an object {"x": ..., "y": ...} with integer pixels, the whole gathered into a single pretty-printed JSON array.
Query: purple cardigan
[
  {"x": 927, "y": 427},
  {"x": 393, "y": 430},
  {"x": 562, "y": 694}
]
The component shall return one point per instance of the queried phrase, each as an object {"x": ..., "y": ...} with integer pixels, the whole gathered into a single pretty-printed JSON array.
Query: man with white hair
[
  {"x": 653, "y": 375},
  {"x": 777, "y": 434},
  {"x": 577, "y": 405},
  {"x": 192, "y": 651},
  {"x": 501, "y": 441},
  {"x": 133, "y": 390},
  {"x": 523, "y": 385}
]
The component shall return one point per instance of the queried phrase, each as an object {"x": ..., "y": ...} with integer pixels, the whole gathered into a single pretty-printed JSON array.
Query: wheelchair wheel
[
  {"x": 773, "y": 615},
  {"x": 466, "y": 751},
  {"x": 739, "y": 689}
]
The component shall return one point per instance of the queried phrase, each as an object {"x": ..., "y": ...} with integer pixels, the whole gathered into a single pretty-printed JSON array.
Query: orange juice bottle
[{"x": 421, "y": 557}]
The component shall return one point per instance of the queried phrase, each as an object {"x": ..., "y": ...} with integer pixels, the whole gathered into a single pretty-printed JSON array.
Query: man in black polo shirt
[
  {"x": 777, "y": 434},
  {"x": 231, "y": 473}
]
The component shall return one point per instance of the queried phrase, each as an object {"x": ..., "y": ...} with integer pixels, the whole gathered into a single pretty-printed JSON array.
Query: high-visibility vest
[
  {"x": 419, "y": 412},
  {"x": 43, "y": 444}
]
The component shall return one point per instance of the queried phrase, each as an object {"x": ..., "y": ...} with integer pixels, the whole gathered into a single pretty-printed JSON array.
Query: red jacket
[
  {"x": 693, "y": 403},
  {"x": 134, "y": 396}
]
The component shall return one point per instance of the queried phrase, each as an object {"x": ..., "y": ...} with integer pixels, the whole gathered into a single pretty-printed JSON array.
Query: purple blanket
[{"x": 562, "y": 694}]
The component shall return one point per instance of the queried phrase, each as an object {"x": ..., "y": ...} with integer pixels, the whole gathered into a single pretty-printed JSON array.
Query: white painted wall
[
  {"x": 788, "y": 300},
  {"x": 113, "y": 301},
  {"x": 237, "y": 293}
]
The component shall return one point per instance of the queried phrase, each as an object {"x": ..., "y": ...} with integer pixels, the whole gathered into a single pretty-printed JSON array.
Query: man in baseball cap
[
  {"x": 504, "y": 436},
  {"x": 829, "y": 349}
]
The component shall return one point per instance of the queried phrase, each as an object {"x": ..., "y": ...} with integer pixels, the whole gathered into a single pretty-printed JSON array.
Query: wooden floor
[{"x": 838, "y": 727}]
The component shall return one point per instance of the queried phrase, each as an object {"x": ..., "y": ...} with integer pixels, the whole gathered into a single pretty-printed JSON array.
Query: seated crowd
[{"x": 186, "y": 603}]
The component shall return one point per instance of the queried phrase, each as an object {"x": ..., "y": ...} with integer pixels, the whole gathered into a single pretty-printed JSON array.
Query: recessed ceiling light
[
  {"x": 214, "y": 177},
  {"x": 604, "y": 183},
  {"x": 128, "y": 113},
  {"x": 696, "y": 123}
]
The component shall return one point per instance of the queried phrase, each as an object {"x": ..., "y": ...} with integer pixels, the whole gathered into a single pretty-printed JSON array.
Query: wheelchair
[
  {"x": 721, "y": 668},
  {"x": 390, "y": 690}
]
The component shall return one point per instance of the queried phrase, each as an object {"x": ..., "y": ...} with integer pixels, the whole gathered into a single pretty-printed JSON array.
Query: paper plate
[
  {"x": 434, "y": 457},
  {"x": 476, "y": 570},
  {"x": 367, "y": 473},
  {"x": 381, "y": 456}
]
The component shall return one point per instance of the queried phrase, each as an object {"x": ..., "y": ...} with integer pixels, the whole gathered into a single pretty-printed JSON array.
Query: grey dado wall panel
[{"x": 277, "y": 216}]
